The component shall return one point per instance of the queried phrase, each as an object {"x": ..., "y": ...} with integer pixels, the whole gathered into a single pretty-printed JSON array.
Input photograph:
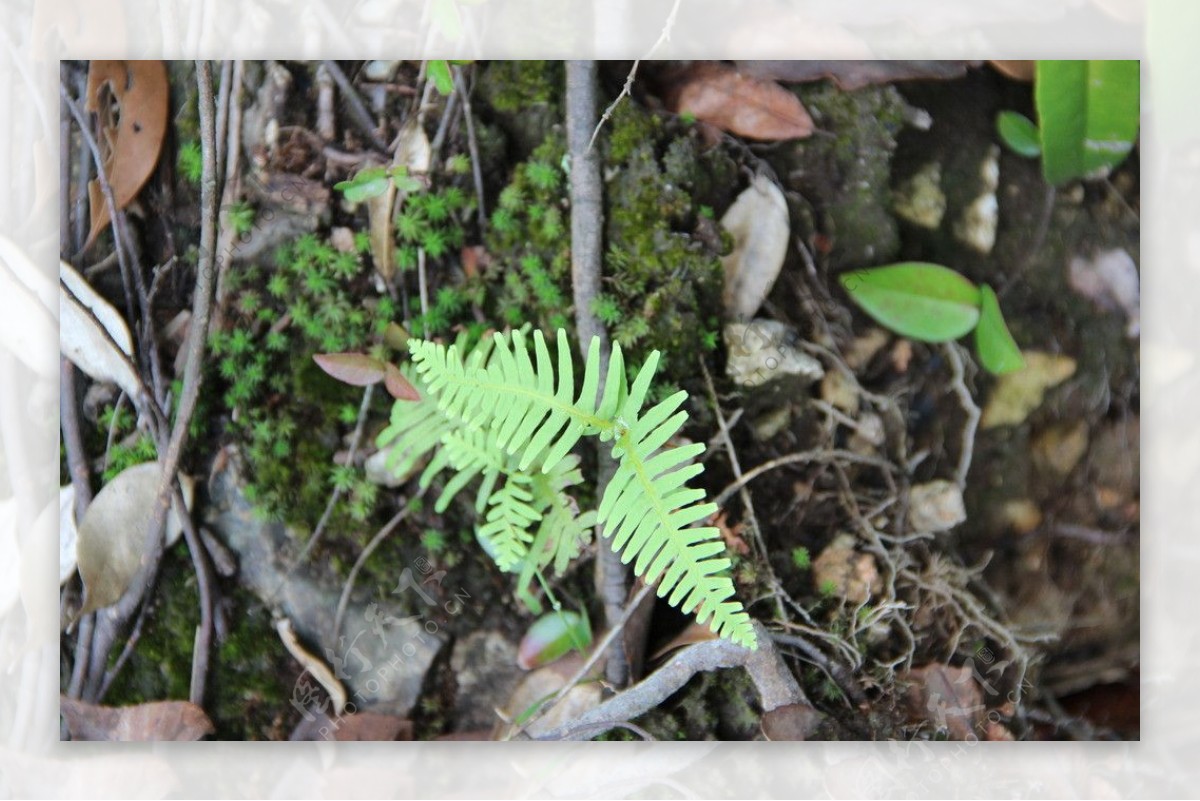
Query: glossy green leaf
[
  {"x": 368, "y": 183},
  {"x": 1088, "y": 115},
  {"x": 921, "y": 301},
  {"x": 1019, "y": 133},
  {"x": 552, "y": 636},
  {"x": 439, "y": 73},
  {"x": 998, "y": 351}
]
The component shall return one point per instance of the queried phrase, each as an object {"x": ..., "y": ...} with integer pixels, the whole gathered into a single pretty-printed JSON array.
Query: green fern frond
[{"x": 532, "y": 413}]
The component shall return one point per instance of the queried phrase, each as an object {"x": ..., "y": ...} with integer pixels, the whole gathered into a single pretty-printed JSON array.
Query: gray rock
[
  {"x": 485, "y": 666},
  {"x": 381, "y": 655}
]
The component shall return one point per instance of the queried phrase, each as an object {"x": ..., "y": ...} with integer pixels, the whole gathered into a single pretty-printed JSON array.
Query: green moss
[
  {"x": 247, "y": 688},
  {"x": 514, "y": 86},
  {"x": 662, "y": 281},
  {"x": 719, "y": 705}
]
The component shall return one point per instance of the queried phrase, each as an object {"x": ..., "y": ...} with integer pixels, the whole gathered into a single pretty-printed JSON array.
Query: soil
[{"x": 1033, "y": 597}]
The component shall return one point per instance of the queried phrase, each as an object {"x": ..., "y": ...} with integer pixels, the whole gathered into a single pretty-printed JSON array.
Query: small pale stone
[
  {"x": 869, "y": 435},
  {"x": 936, "y": 506},
  {"x": 762, "y": 351},
  {"x": 1023, "y": 516},
  {"x": 920, "y": 199},
  {"x": 976, "y": 227},
  {"x": 1060, "y": 447},
  {"x": 854, "y": 574},
  {"x": 840, "y": 392}
]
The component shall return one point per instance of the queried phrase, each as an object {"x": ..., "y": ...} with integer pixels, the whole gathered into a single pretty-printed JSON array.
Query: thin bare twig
[
  {"x": 775, "y": 684},
  {"x": 325, "y": 123},
  {"x": 380, "y": 536},
  {"x": 422, "y": 284},
  {"x": 587, "y": 225},
  {"x": 206, "y": 583},
  {"x": 358, "y": 112},
  {"x": 73, "y": 438},
  {"x": 460, "y": 87},
  {"x": 223, "y": 111},
  {"x": 79, "y": 220},
  {"x": 747, "y": 502},
  {"x": 814, "y": 455},
  {"x": 969, "y": 407},
  {"x": 663, "y": 37}
]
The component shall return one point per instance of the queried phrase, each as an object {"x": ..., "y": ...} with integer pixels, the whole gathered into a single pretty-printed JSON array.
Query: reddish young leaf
[
  {"x": 740, "y": 104},
  {"x": 356, "y": 369},
  {"x": 398, "y": 386}
]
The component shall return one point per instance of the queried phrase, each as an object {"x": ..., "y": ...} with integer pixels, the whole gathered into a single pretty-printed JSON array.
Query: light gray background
[{"x": 33, "y": 37}]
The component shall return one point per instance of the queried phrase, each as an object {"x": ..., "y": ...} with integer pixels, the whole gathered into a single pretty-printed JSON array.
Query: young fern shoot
[{"x": 503, "y": 412}]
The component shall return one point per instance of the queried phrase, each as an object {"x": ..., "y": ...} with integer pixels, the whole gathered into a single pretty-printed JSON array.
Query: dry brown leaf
[
  {"x": 740, "y": 104},
  {"x": 379, "y": 222},
  {"x": 131, "y": 101},
  {"x": 947, "y": 697},
  {"x": 636, "y": 632},
  {"x": 1015, "y": 69},
  {"x": 355, "y": 369},
  {"x": 850, "y": 75},
  {"x": 694, "y": 633},
  {"x": 732, "y": 534},
  {"x": 360, "y": 727},
  {"x": 161, "y": 720}
]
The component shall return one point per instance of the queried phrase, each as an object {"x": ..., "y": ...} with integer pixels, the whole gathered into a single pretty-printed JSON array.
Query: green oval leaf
[
  {"x": 927, "y": 302},
  {"x": 1088, "y": 113},
  {"x": 1019, "y": 133},
  {"x": 552, "y": 636},
  {"x": 439, "y": 73},
  {"x": 368, "y": 183},
  {"x": 998, "y": 351}
]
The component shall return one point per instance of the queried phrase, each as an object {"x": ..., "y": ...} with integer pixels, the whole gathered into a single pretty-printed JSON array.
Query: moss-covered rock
[{"x": 844, "y": 169}]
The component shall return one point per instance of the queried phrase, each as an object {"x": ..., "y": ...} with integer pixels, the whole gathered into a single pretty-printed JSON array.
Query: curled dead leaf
[
  {"x": 93, "y": 335},
  {"x": 744, "y": 105},
  {"x": 130, "y": 99}
]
